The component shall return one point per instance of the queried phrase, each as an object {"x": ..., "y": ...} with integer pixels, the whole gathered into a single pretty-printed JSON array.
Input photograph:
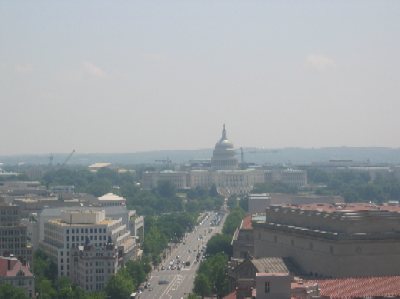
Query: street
[{"x": 174, "y": 277}]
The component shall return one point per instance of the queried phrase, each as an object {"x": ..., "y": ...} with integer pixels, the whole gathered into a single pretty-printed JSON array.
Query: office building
[
  {"x": 13, "y": 234},
  {"x": 75, "y": 227},
  {"x": 325, "y": 240}
]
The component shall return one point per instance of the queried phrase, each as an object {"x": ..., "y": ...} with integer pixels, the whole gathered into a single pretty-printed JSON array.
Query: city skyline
[{"x": 104, "y": 77}]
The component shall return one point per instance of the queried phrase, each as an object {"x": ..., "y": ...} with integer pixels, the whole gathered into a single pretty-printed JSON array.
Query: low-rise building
[
  {"x": 111, "y": 199},
  {"x": 18, "y": 274},
  {"x": 99, "y": 165}
]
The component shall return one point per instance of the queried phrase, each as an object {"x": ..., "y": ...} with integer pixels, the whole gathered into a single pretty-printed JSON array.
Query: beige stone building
[
  {"x": 326, "y": 240},
  {"x": 92, "y": 266},
  {"x": 200, "y": 178},
  {"x": 77, "y": 228},
  {"x": 291, "y": 177}
]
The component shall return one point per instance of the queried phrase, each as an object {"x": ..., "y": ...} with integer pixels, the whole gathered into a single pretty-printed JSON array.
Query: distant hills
[{"x": 252, "y": 155}]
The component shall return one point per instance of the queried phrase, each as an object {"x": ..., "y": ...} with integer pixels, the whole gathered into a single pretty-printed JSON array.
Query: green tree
[
  {"x": 64, "y": 287},
  {"x": 136, "y": 270},
  {"x": 45, "y": 288},
  {"x": 232, "y": 202},
  {"x": 202, "y": 285},
  {"x": 120, "y": 286},
  {"x": 166, "y": 189},
  {"x": 233, "y": 221},
  {"x": 213, "y": 191},
  {"x": 8, "y": 291},
  {"x": 219, "y": 243},
  {"x": 97, "y": 295}
]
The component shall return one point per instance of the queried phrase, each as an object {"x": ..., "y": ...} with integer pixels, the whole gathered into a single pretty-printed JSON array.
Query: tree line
[
  {"x": 211, "y": 277},
  {"x": 356, "y": 186}
]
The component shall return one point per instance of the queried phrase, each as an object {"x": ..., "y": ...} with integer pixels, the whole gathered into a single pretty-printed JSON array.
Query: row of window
[
  {"x": 12, "y": 232},
  {"x": 86, "y": 230},
  {"x": 358, "y": 249},
  {"x": 76, "y": 238}
]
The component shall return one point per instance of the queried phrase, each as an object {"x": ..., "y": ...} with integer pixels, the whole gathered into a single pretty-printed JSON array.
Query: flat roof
[{"x": 341, "y": 207}]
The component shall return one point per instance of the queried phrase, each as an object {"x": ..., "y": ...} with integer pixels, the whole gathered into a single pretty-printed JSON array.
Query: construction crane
[
  {"x": 68, "y": 158},
  {"x": 51, "y": 158},
  {"x": 166, "y": 162},
  {"x": 254, "y": 151}
]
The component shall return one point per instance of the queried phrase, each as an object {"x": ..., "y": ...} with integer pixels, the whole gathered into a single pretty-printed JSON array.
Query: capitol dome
[{"x": 224, "y": 157}]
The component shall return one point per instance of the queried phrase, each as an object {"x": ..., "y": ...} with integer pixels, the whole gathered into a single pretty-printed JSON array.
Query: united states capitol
[{"x": 225, "y": 172}]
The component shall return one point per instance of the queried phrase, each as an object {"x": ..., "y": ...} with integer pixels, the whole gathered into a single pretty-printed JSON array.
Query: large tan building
[
  {"x": 93, "y": 266},
  {"x": 77, "y": 228},
  {"x": 292, "y": 177},
  {"x": 341, "y": 240}
]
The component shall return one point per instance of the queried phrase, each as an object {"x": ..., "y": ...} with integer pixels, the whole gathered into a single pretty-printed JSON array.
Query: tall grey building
[{"x": 13, "y": 235}]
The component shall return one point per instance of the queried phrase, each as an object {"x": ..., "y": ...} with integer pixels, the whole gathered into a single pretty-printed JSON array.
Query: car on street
[{"x": 163, "y": 281}]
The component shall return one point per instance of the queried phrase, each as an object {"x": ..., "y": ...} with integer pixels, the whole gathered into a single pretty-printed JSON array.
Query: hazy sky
[{"x": 127, "y": 76}]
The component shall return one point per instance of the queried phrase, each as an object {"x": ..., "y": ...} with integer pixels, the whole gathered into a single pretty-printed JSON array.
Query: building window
[{"x": 266, "y": 287}]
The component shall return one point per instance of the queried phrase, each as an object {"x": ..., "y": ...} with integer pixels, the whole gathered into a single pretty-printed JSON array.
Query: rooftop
[
  {"x": 246, "y": 222},
  {"x": 274, "y": 265},
  {"x": 272, "y": 274},
  {"x": 63, "y": 223},
  {"x": 11, "y": 267},
  {"x": 342, "y": 207},
  {"x": 366, "y": 287},
  {"x": 111, "y": 196},
  {"x": 100, "y": 165}
]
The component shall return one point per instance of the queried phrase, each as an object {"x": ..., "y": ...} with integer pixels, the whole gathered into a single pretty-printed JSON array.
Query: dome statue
[{"x": 224, "y": 157}]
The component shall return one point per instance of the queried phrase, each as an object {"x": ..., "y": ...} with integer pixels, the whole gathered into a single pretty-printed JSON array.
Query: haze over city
[{"x": 100, "y": 76}]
